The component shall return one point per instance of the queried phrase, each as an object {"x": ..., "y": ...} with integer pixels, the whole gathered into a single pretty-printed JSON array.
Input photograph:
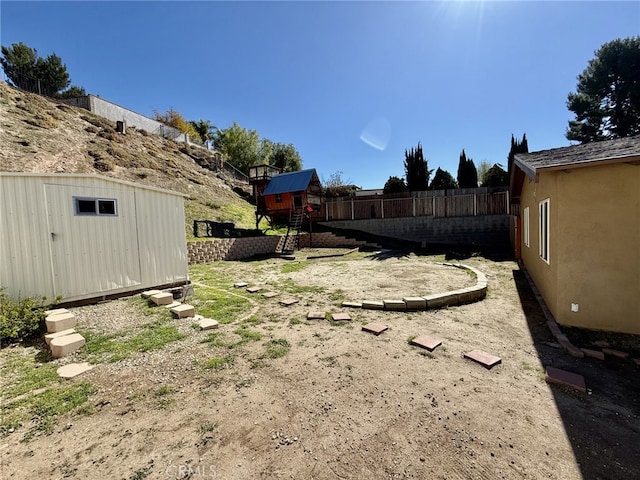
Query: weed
[
  {"x": 411, "y": 338},
  {"x": 277, "y": 348},
  {"x": 22, "y": 319},
  {"x": 296, "y": 266},
  {"x": 289, "y": 286},
  {"x": 217, "y": 363},
  {"x": 164, "y": 390},
  {"x": 43, "y": 409},
  {"x": 207, "y": 427},
  {"x": 248, "y": 335},
  {"x": 295, "y": 321}
]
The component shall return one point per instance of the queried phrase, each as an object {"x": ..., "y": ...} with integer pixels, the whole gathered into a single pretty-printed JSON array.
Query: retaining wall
[
  {"x": 239, "y": 248},
  {"x": 481, "y": 230}
]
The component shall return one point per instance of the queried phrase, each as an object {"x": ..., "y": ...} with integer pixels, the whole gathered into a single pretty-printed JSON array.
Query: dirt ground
[{"x": 343, "y": 403}]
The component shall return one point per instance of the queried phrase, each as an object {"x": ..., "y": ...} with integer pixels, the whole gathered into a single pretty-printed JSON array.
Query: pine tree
[
  {"x": 443, "y": 180},
  {"x": 467, "y": 173},
  {"x": 516, "y": 147},
  {"x": 416, "y": 170}
]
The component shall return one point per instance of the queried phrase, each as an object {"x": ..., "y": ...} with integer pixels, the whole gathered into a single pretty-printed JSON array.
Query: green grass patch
[
  {"x": 224, "y": 307},
  {"x": 248, "y": 335},
  {"x": 289, "y": 286},
  {"x": 119, "y": 346},
  {"x": 22, "y": 373},
  {"x": 217, "y": 363},
  {"x": 42, "y": 410},
  {"x": 294, "y": 266},
  {"x": 277, "y": 348}
]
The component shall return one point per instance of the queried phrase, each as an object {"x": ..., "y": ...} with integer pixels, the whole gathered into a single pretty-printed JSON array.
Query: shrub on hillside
[{"x": 20, "y": 320}]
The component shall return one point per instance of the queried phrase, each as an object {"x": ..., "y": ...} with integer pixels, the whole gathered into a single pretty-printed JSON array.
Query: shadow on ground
[{"x": 603, "y": 425}]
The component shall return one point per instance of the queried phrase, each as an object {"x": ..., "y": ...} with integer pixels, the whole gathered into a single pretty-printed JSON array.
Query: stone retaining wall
[{"x": 239, "y": 248}]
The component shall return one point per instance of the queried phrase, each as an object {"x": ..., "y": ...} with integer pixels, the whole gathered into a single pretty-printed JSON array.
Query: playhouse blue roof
[{"x": 290, "y": 182}]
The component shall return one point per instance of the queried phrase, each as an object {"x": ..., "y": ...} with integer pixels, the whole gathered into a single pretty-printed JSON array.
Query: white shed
[{"x": 87, "y": 236}]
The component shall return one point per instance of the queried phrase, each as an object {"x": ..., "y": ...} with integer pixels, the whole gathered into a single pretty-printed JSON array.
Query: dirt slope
[{"x": 40, "y": 135}]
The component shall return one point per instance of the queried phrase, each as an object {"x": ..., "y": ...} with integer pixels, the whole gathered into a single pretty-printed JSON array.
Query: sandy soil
[{"x": 343, "y": 403}]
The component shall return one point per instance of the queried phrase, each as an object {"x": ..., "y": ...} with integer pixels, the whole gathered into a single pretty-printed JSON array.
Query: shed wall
[{"x": 143, "y": 246}]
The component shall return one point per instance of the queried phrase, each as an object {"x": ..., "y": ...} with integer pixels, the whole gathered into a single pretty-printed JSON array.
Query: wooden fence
[{"x": 437, "y": 203}]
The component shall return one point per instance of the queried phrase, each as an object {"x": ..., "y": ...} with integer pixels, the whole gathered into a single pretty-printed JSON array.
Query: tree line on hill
[
  {"x": 417, "y": 172},
  {"x": 606, "y": 105}
]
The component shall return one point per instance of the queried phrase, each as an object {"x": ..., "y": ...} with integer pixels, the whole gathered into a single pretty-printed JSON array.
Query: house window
[
  {"x": 95, "y": 206},
  {"x": 278, "y": 198},
  {"x": 544, "y": 230},
  {"x": 525, "y": 226}
]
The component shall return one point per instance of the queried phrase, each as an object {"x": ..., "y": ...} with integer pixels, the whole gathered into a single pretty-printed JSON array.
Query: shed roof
[
  {"x": 574, "y": 156},
  {"x": 291, "y": 182},
  {"x": 92, "y": 177}
]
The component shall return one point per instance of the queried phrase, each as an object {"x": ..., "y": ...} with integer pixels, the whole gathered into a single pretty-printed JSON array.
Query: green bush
[{"x": 20, "y": 320}]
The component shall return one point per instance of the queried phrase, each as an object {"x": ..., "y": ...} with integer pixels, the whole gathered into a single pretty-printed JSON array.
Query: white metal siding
[
  {"x": 162, "y": 240},
  {"x": 143, "y": 246},
  {"x": 25, "y": 260}
]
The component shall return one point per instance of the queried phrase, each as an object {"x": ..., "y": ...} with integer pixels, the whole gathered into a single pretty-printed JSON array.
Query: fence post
[
  {"x": 475, "y": 206},
  {"x": 507, "y": 197},
  {"x": 326, "y": 211},
  {"x": 352, "y": 211},
  {"x": 433, "y": 205},
  {"x": 381, "y": 208},
  {"x": 414, "y": 206}
]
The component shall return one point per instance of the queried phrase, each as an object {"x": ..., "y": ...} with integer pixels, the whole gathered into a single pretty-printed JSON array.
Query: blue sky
[{"x": 350, "y": 84}]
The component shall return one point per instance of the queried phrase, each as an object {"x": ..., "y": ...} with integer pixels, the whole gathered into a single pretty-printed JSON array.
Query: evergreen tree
[
  {"x": 394, "y": 185},
  {"x": 516, "y": 147},
  {"x": 496, "y": 177},
  {"x": 443, "y": 180},
  {"x": 416, "y": 169},
  {"x": 467, "y": 173},
  {"x": 606, "y": 103},
  {"x": 26, "y": 70}
]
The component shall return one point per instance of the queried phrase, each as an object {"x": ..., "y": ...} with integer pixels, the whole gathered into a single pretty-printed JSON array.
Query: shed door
[{"x": 93, "y": 240}]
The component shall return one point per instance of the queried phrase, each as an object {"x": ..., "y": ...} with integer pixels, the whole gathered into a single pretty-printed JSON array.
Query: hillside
[{"x": 40, "y": 135}]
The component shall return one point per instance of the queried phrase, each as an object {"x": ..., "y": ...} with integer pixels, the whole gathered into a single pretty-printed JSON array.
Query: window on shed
[
  {"x": 95, "y": 206},
  {"x": 544, "y": 230},
  {"x": 278, "y": 198}
]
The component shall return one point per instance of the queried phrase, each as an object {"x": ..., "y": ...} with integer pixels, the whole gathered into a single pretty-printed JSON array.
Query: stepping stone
[
  {"x": 62, "y": 346},
  {"x": 483, "y": 358},
  {"x": 394, "y": 305},
  {"x": 150, "y": 293},
  {"x": 240, "y": 284},
  {"x": 270, "y": 294},
  {"x": 567, "y": 379},
  {"x": 373, "y": 304},
  {"x": 56, "y": 311},
  {"x": 340, "y": 317},
  {"x": 254, "y": 289},
  {"x": 207, "y": 324},
  {"x": 315, "y": 316},
  {"x": 425, "y": 341},
  {"x": 50, "y": 336},
  {"x": 352, "y": 304},
  {"x": 172, "y": 305},
  {"x": 601, "y": 344},
  {"x": 415, "y": 303},
  {"x": 615, "y": 353},
  {"x": 59, "y": 322},
  {"x": 593, "y": 353},
  {"x": 73, "y": 369},
  {"x": 162, "y": 298},
  {"x": 289, "y": 301},
  {"x": 183, "y": 310},
  {"x": 375, "y": 328}
]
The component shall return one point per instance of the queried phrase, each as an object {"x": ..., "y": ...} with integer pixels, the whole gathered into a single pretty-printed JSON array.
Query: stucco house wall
[{"x": 594, "y": 244}]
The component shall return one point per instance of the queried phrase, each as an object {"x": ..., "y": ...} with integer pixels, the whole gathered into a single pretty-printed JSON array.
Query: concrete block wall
[
  {"x": 239, "y": 248},
  {"x": 481, "y": 230}
]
